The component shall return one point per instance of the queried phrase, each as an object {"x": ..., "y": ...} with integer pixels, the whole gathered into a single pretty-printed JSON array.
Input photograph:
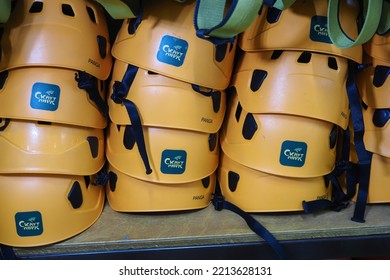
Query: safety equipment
[
  {"x": 163, "y": 40},
  {"x": 377, "y": 130},
  {"x": 42, "y": 209},
  {"x": 304, "y": 28},
  {"x": 378, "y": 191},
  {"x": 379, "y": 48},
  {"x": 373, "y": 83},
  {"x": 42, "y": 147},
  {"x": 128, "y": 194},
  {"x": 272, "y": 82},
  {"x": 176, "y": 156},
  {"x": 166, "y": 102},
  {"x": 279, "y": 144},
  {"x": 65, "y": 34},
  {"x": 53, "y": 95},
  {"x": 5, "y": 10},
  {"x": 255, "y": 191},
  {"x": 375, "y": 20}
]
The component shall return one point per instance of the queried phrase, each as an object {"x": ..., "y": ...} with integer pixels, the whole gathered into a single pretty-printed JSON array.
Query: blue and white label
[
  {"x": 45, "y": 96},
  {"x": 172, "y": 50},
  {"x": 173, "y": 161},
  {"x": 319, "y": 29},
  {"x": 293, "y": 153},
  {"x": 29, "y": 223}
]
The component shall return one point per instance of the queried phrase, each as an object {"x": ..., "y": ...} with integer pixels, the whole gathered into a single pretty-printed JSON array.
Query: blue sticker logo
[
  {"x": 293, "y": 153},
  {"x": 319, "y": 29},
  {"x": 29, "y": 223},
  {"x": 45, "y": 96},
  {"x": 172, "y": 50},
  {"x": 173, "y": 161}
]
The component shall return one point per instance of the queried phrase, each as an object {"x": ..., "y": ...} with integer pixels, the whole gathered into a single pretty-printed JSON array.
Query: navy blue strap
[
  {"x": 6, "y": 123},
  {"x": 89, "y": 83},
  {"x": 364, "y": 156},
  {"x": 7, "y": 253},
  {"x": 120, "y": 91},
  {"x": 219, "y": 204}
]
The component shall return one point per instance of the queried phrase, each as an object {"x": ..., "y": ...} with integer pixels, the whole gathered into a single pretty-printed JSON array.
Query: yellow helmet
[
  {"x": 271, "y": 82},
  {"x": 377, "y": 130},
  {"x": 42, "y": 147},
  {"x": 378, "y": 47},
  {"x": 373, "y": 83},
  {"x": 128, "y": 194},
  {"x": 303, "y": 27},
  {"x": 42, "y": 209},
  {"x": 256, "y": 191},
  {"x": 176, "y": 156},
  {"x": 166, "y": 102},
  {"x": 66, "y": 34},
  {"x": 52, "y": 95},
  {"x": 279, "y": 144},
  {"x": 378, "y": 191},
  {"x": 165, "y": 42}
]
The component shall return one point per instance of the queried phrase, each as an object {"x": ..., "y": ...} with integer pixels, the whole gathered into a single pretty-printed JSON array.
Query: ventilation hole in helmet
[
  {"x": 276, "y": 54},
  {"x": 132, "y": 25},
  {"x": 260, "y": 10},
  {"x": 220, "y": 52},
  {"x": 216, "y": 97},
  {"x": 3, "y": 78},
  {"x": 326, "y": 181},
  {"x": 238, "y": 112},
  {"x": 250, "y": 127},
  {"x": 273, "y": 15},
  {"x": 233, "y": 179},
  {"x": 36, "y": 7},
  {"x": 305, "y": 57},
  {"x": 128, "y": 138},
  {"x": 364, "y": 105},
  {"x": 380, "y": 117},
  {"x": 75, "y": 195},
  {"x": 67, "y": 10},
  {"x": 87, "y": 180},
  {"x": 91, "y": 14},
  {"x": 44, "y": 123},
  {"x": 333, "y": 137},
  {"x": 258, "y": 77},
  {"x": 93, "y": 142},
  {"x": 381, "y": 73},
  {"x": 206, "y": 182},
  {"x": 213, "y": 140},
  {"x": 152, "y": 73},
  {"x": 112, "y": 179},
  {"x": 102, "y": 44},
  {"x": 332, "y": 63},
  {"x": 118, "y": 127}
]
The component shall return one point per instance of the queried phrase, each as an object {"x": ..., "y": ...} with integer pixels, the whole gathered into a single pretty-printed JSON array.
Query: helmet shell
[
  {"x": 165, "y": 42},
  {"x": 272, "y": 82},
  {"x": 128, "y": 194},
  {"x": 303, "y": 27},
  {"x": 256, "y": 191},
  {"x": 40, "y": 209},
  {"x": 166, "y": 102},
  {"x": 49, "y": 148},
  {"x": 65, "y": 34}
]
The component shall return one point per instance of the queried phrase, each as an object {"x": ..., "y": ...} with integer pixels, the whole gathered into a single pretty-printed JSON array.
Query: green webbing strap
[
  {"x": 283, "y": 4},
  {"x": 5, "y": 10},
  {"x": 211, "y": 19},
  {"x": 372, "y": 18},
  {"x": 119, "y": 9},
  {"x": 384, "y": 24}
]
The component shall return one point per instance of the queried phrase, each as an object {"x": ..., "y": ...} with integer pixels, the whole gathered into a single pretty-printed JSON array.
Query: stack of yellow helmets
[
  {"x": 287, "y": 109},
  {"x": 54, "y": 60},
  {"x": 374, "y": 85},
  {"x": 166, "y": 105}
]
